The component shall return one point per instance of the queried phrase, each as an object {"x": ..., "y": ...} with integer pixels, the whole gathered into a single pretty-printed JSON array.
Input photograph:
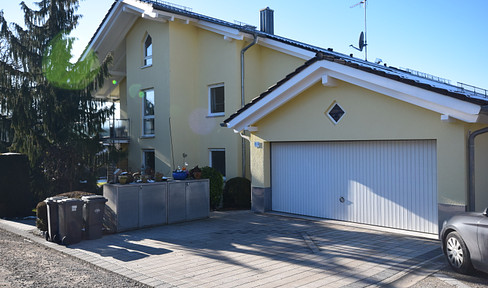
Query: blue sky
[{"x": 445, "y": 38}]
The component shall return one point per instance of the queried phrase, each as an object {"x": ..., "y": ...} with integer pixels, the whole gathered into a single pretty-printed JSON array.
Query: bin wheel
[
  {"x": 55, "y": 238},
  {"x": 47, "y": 236},
  {"x": 64, "y": 241}
]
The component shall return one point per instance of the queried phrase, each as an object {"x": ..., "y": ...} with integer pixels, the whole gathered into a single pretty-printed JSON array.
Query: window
[
  {"x": 148, "y": 162},
  {"x": 217, "y": 160},
  {"x": 148, "y": 51},
  {"x": 335, "y": 113},
  {"x": 148, "y": 113},
  {"x": 216, "y": 100}
]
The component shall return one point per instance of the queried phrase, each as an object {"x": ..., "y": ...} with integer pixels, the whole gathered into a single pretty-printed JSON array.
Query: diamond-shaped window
[{"x": 336, "y": 113}]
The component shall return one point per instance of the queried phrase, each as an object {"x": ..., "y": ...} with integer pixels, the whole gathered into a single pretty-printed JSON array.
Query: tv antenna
[{"x": 363, "y": 43}]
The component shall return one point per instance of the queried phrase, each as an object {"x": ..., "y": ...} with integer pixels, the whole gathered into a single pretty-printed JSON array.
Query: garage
[
  {"x": 385, "y": 183},
  {"x": 357, "y": 142}
]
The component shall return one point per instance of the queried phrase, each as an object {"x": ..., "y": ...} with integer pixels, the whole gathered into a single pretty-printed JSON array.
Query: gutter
[
  {"x": 471, "y": 200},
  {"x": 243, "y": 101}
]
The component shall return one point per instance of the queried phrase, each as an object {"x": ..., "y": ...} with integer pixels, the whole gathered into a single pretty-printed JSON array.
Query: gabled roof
[
  {"x": 448, "y": 100},
  {"x": 123, "y": 13}
]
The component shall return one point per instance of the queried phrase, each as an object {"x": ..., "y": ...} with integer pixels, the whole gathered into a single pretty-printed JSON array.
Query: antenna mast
[{"x": 363, "y": 42}]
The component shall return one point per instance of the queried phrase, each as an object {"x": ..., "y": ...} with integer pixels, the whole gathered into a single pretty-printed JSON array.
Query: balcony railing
[
  {"x": 117, "y": 131},
  {"x": 6, "y": 131}
]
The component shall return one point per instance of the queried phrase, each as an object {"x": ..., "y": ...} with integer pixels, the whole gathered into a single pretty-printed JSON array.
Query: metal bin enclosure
[
  {"x": 52, "y": 233},
  {"x": 197, "y": 200},
  {"x": 122, "y": 207},
  {"x": 93, "y": 211},
  {"x": 152, "y": 204},
  {"x": 133, "y": 206},
  {"x": 70, "y": 220}
]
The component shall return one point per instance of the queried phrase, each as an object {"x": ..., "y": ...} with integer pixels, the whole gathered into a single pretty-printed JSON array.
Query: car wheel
[{"x": 457, "y": 254}]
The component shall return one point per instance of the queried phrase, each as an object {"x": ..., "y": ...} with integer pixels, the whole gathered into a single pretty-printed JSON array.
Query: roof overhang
[
  {"x": 110, "y": 36},
  {"x": 110, "y": 39},
  {"x": 327, "y": 71}
]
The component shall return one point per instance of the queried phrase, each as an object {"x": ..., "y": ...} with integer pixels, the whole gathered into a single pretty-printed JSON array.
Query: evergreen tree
[{"x": 55, "y": 119}]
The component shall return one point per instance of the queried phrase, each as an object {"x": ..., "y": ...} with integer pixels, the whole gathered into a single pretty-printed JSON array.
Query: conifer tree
[{"x": 54, "y": 118}]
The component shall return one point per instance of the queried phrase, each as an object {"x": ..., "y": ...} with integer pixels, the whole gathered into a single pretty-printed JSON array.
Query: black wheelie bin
[
  {"x": 52, "y": 233},
  {"x": 93, "y": 210},
  {"x": 70, "y": 220}
]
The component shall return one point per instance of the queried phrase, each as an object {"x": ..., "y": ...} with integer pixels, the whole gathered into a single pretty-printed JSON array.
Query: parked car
[{"x": 464, "y": 240}]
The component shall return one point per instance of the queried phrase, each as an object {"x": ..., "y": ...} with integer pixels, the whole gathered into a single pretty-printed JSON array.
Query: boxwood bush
[
  {"x": 237, "y": 193},
  {"x": 216, "y": 185},
  {"x": 41, "y": 214}
]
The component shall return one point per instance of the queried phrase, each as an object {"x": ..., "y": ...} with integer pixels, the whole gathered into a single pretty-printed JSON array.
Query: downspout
[
  {"x": 243, "y": 100},
  {"x": 471, "y": 181}
]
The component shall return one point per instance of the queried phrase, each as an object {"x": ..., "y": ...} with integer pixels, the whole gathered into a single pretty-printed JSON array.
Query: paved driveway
[{"x": 243, "y": 249}]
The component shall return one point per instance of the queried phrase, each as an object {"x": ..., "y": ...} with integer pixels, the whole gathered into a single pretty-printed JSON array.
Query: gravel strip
[{"x": 24, "y": 263}]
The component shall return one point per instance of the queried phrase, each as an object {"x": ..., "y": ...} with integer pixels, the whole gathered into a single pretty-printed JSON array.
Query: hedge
[{"x": 16, "y": 198}]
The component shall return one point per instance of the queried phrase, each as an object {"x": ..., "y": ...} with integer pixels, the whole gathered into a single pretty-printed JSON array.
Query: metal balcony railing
[{"x": 116, "y": 130}]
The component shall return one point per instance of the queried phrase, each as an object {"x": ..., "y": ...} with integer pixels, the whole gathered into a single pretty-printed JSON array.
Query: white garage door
[{"x": 385, "y": 183}]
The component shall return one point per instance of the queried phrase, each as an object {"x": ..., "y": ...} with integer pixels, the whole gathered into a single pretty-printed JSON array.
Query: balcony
[{"x": 116, "y": 131}]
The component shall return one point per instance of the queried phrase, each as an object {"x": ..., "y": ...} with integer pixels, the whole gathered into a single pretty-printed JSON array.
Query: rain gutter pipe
[
  {"x": 471, "y": 181},
  {"x": 243, "y": 100}
]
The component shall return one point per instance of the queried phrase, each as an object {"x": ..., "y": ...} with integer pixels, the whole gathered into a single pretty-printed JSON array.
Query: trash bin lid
[
  {"x": 55, "y": 199},
  {"x": 98, "y": 198},
  {"x": 70, "y": 201}
]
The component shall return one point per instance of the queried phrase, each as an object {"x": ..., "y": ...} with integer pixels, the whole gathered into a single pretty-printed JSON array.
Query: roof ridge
[{"x": 323, "y": 53}]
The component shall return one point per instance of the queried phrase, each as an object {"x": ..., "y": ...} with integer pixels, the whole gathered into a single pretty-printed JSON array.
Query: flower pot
[
  {"x": 144, "y": 178},
  {"x": 158, "y": 177},
  {"x": 123, "y": 179},
  {"x": 179, "y": 175}
]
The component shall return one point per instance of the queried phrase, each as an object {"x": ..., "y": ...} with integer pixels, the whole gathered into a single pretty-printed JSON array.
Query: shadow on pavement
[{"x": 231, "y": 237}]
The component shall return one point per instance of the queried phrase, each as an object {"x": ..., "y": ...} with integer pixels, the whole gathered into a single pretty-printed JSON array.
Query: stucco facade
[{"x": 187, "y": 59}]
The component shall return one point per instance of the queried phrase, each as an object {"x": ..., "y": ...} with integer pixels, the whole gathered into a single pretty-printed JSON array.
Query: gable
[
  {"x": 368, "y": 116},
  {"x": 320, "y": 69}
]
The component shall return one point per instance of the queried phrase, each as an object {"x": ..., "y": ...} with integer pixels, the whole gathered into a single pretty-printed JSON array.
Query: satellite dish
[{"x": 361, "y": 41}]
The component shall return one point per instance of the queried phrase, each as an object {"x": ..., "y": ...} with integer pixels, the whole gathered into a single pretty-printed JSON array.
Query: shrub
[
  {"x": 237, "y": 193},
  {"x": 16, "y": 198},
  {"x": 75, "y": 194},
  {"x": 41, "y": 213},
  {"x": 216, "y": 185}
]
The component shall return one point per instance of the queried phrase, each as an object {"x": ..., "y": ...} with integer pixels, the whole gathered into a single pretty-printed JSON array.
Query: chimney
[{"x": 267, "y": 22}]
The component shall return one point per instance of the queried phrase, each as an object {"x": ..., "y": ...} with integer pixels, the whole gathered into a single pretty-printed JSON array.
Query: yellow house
[{"x": 331, "y": 136}]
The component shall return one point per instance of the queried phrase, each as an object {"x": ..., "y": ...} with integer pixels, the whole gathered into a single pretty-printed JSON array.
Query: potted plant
[
  {"x": 180, "y": 173},
  {"x": 158, "y": 177},
  {"x": 122, "y": 179},
  {"x": 196, "y": 172}
]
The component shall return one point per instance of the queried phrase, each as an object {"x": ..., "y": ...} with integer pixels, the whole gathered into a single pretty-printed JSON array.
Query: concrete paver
[{"x": 243, "y": 249}]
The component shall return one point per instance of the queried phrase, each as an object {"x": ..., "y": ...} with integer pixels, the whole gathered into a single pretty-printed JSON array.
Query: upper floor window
[
  {"x": 216, "y": 100},
  {"x": 148, "y": 51},
  {"x": 148, "y": 113}
]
